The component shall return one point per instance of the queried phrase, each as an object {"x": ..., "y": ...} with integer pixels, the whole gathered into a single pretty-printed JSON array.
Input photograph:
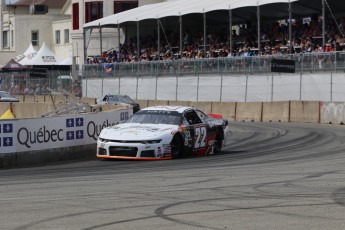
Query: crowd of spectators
[{"x": 306, "y": 37}]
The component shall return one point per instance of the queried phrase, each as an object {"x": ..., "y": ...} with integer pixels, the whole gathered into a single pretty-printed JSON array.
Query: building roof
[
  {"x": 51, "y": 3},
  {"x": 244, "y": 10}
]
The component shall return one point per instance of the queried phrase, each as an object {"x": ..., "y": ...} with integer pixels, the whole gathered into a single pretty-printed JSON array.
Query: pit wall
[
  {"x": 39, "y": 140},
  {"x": 283, "y": 111},
  {"x": 36, "y": 140}
]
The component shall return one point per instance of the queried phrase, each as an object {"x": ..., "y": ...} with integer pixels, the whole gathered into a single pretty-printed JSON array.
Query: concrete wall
[
  {"x": 283, "y": 111},
  {"x": 332, "y": 113}
]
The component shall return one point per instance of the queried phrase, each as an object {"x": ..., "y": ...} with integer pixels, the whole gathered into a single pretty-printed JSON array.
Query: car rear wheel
[
  {"x": 176, "y": 147},
  {"x": 218, "y": 143}
]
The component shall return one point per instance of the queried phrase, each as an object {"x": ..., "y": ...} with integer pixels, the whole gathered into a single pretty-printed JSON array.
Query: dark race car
[
  {"x": 163, "y": 132},
  {"x": 118, "y": 99}
]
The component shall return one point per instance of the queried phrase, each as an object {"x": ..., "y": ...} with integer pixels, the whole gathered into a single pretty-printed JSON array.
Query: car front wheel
[
  {"x": 218, "y": 143},
  {"x": 176, "y": 147}
]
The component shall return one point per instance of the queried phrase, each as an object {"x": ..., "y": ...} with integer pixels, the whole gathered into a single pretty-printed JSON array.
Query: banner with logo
[{"x": 55, "y": 132}]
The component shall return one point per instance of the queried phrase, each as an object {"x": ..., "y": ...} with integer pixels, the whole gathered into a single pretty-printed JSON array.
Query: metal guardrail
[{"x": 305, "y": 63}]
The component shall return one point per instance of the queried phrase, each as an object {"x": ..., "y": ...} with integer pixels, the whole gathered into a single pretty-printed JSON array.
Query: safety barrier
[
  {"x": 250, "y": 111},
  {"x": 28, "y": 141},
  {"x": 305, "y": 111},
  {"x": 276, "y": 111},
  {"x": 40, "y": 140},
  {"x": 332, "y": 112},
  {"x": 283, "y": 111}
]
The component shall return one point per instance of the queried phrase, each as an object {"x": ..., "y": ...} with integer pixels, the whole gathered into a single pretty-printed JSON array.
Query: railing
[{"x": 305, "y": 63}]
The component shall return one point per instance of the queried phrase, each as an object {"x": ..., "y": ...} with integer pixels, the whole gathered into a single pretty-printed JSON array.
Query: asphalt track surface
[{"x": 272, "y": 176}]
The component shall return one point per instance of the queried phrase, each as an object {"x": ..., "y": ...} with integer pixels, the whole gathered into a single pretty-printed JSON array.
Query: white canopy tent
[
  {"x": 28, "y": 54},
  {"x": 44, "y": 57},
  {"x": 66, "y": 61}
]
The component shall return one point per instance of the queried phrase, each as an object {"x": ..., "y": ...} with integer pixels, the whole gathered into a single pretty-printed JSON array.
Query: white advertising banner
[{"x": 56, "y": 132}]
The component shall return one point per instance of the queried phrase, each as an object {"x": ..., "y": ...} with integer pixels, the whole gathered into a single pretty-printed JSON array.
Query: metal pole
[
  {"x": 221, "y": 88},
  {"x": 204, "y": 15},
  {"x": 246, "y": 91},
  {"x": 137, "y": 86},
  {"x": 159, "y": 38},
  {"x": 323, "y": 24},
  {"x": 119, "y": 42},
  {"x": 230, "y": 28},
  {"x": 85, "y": 48},
  {"x": 272, "y": 88},
  {"x": 102, "y": 85},
  {"x": 100, "y": 41},
  {"x": 181, "y": 35},
  {"x": 138, "y": 40},
  {"x": 156, "y": 87},
  {"x": 258, "y": 19},
  {"x": 290, "y": 27},
  {"x": 176, "y": 87},
  {"x": 85, "y": 59},
  {"x": 197, "y": 89},
  {"x": 331, "y": 86},
  {"x": 138, "y": 52}
]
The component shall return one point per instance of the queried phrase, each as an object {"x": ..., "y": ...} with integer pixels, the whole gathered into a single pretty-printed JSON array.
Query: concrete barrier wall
[
  {"x": 156, "y": 103},
  {"x": 39, "y": 98},
  {"x": 332, "y": 112},
  {"x": 90, "y": 101},
  {"x": 142, "y": 103},
  {"x": 284, "y": 111},
  {"x": 276, "y": 111},
  {"x": 178, "y": 103},
  {"x": 4, "y": 106},
  {"x": 305, "y": 111},
  {"x": 29, "y": 98},
  {"x": 34, "y": 109},
  {"x": 20, "y": 98},
  {"x": 249, "y": 111},
  {"x": 226, "y": 109}
]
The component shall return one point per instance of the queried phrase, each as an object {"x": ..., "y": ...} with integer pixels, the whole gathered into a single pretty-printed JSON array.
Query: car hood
[
  {"x": 7, "y": 99},
  {"x": 136, "y": 131}
]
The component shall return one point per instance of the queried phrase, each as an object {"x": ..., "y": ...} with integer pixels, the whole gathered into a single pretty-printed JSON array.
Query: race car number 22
[{"x": 200, "y": 137}]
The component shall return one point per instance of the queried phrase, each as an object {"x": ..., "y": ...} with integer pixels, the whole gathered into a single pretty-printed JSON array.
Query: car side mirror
[{"x": 225, "y": 122}]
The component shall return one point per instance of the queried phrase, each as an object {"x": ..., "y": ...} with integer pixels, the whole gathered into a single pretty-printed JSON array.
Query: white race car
[{"x": 163, "y": 132}]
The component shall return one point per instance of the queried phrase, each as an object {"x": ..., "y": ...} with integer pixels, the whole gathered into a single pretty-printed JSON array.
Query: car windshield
[
  {"x": 120, "y": 98},
  {"x": 5, "y": 94},
  {"x": 147, "y": 118}
]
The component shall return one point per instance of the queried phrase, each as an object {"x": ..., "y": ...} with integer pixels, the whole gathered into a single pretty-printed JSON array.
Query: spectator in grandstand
[{"x": 307, "y": 38}]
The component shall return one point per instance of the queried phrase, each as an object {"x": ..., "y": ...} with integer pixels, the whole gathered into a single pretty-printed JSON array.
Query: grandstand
[{"x": 200, "y": 29}]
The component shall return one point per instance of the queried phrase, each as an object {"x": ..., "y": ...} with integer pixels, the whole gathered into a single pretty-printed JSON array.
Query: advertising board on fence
[
  {"x": 21, "y": 135},
  {"x": 283, "y": 66}
]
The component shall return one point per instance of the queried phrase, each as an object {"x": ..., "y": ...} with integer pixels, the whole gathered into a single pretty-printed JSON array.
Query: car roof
[{"x": 179, "y": 109}]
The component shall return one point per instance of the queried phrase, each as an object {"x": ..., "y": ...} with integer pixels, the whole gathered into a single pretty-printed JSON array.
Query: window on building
[
  {"x": 57, "y": 37},
  {"x": 12, "y": 38},
  {"x": 4, "y": 39},
  {"x": 124, "y": 5},
  {"x": 34, "y": 38},
  {"x": 75, "y": 16},
  {"x": 66, "y": 36},
  {"x": 93, "y": 11}
]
